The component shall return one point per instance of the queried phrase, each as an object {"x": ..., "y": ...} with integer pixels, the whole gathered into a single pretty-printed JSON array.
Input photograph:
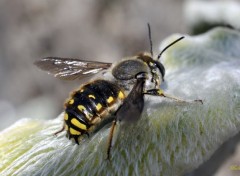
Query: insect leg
[
  {"x": 110, "y": 139},
  {"x": 131, "y": 108},
  {"x": 59, "y": 130},
  {"x": 159, "y": 92}
]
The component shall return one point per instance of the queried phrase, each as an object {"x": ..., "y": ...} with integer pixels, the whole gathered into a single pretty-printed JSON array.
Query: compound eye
[{"x": 161, "y": 68}]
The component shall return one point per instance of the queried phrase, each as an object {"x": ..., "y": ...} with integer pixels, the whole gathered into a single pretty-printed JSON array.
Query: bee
[{"x": 117, "y": 96}]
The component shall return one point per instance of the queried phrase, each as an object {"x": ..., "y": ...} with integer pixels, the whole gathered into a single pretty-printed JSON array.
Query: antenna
[
  {"x": 169, "y": 46},
  {"x": 150, "y": 39}
]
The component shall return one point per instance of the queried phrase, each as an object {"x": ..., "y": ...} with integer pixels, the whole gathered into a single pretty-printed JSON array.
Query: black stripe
[
  {"x": 81, "y": 98},
  {"x": 80, "y": 116},
  {"x": 104, "y": 88}
]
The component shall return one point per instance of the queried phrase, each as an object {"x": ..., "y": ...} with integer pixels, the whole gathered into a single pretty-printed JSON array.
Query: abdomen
[{"x": 90, "y": 106}]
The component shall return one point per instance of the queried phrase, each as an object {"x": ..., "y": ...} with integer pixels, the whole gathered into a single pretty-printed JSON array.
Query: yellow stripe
[
  {"x": 65, "y": 116},
  {"x": 78, "y": 124},
  {"x": 121, "y": 95},
  {"x": 98, "y": 106},
  {"x": 74, "y": 132},
  {"x": 71, "y": 101},
  {"x": 110, "y": 99},
  {"x": 81, "y": 108},
  {"x": 92, "y": 96}
]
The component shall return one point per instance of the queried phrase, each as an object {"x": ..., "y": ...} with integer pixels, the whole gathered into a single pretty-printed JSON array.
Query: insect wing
[
  {"x": 70, "y": 69},
  {"x": 132, "y": 106}
]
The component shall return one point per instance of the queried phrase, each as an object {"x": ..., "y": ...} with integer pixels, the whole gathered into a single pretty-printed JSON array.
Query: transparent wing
[{"x": 70, "y": 69}]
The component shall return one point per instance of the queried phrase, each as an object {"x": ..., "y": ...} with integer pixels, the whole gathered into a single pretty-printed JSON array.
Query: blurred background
[{"x": 104, "y": 30}]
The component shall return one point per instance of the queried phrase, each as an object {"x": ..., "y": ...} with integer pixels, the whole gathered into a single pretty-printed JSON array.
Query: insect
[{"x": 118, "y": 97}]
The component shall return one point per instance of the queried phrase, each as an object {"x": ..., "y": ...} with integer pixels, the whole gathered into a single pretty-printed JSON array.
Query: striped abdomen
[{"x": 90, "y": 105}]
